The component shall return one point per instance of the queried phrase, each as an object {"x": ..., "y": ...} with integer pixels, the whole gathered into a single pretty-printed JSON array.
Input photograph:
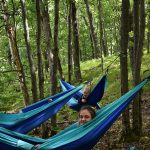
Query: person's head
[
  {"x": 86, "y": 114},
  {"x": 86, "y": 91}
]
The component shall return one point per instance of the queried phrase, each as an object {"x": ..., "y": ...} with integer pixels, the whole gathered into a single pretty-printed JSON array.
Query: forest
[{"x": 43, "y": 42}]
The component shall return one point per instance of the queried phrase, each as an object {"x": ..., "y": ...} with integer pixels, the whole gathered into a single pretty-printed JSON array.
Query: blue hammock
[
  {"x": 94, "y": 97},
  {"x": 74, "y": 137},
  {"x": 31, "y": 118},
  {"x": 43, "y": 102}
]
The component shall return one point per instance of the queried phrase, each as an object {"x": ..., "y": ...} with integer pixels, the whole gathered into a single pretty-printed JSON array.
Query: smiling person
[
  {"x": 86, "y": 114},
  {"x": 86, "y": 92}
]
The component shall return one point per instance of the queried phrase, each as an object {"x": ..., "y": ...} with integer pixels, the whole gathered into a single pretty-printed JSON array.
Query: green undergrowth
[{"x": 92, "y": 70}]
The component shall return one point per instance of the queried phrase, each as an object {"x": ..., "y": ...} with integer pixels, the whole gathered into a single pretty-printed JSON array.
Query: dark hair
[{"x": 90, "y": 109}]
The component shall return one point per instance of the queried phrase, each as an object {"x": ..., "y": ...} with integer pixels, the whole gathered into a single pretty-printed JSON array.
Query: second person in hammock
[{"x": 86, "y": 92}]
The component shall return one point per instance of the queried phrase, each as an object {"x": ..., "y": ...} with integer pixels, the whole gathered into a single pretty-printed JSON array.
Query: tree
[
  {"x": 55, "y": 60},
  {"x": 47, "y": 32},
  {"x": 38, "y": 46},
  {"x": 15, "y": 52},
  {"x": 148, "y": 32},
  {"x": 48, "y": 51},
  {"x": 77, "y": 71},
  {"x": 103, "y": 43},
  {"x": 124, "y": 63},
  {"x": 136, "y": 59},
  {"x": 70, "y": 66},
  {"x": 29, "y": 52},
  {"x": 92, "y": 29}
]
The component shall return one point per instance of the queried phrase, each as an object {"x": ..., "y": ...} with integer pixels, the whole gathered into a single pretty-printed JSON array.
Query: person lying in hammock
[
  {"x": 86, "y": 114},
  {"x": 86, "y": 92}
]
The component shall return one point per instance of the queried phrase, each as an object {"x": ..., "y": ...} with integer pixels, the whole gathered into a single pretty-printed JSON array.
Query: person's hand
[{"x": 83, "y": 100}]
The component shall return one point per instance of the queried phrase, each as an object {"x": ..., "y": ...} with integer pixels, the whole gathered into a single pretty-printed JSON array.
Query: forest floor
[{"x": 111, "y": 140}]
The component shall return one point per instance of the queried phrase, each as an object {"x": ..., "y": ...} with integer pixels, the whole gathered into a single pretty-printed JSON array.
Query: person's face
[
  {"x": 84, "y": 116},
  {"x": 85, "y": 94}
]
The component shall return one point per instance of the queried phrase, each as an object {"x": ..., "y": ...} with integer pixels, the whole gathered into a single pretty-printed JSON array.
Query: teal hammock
[
  {"x": 36, "y": 114},
  {"x": 74, "y": 137}
]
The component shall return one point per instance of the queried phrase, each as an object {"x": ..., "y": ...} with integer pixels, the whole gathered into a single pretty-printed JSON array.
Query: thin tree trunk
[
  {"x": 124, "y": 64},
  {"x": 139, "y": 29},
  {"x": 55, "y": 60},
  {"x": 15, "y": 52},
  {"x": 102, "y": 41},
  {"x": 92, "y": 29},
  {"x": 116, "y": 36},
  {"x": 116, "y": 26},
  {"x": 29, "y": 52},
  {"x": 9, "y": 57},
  {"x": 76, "y": 56},
  {"x": 91, "y": 39},
  {"x": 48, "y": 51},
  {"x": 38, "y": 46},
  {"x": 47, "y": 32},
  {"x": 70, "y": 66},
  {"x": 148, "y": 33},
  {"x": 105, "y": 38},
  {"x": 101, "y": 34},
  {"x": 60, "y": 68}
]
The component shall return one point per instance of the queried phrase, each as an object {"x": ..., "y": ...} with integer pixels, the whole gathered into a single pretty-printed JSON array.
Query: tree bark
[
  {"x": 103, "y": 45},
  {"x": 76, "y": 56},
  {"x": 70, "y": 66},
  {"x": 9, "y": 57},
  {"x": 29, "y": 52},
  {"x": 48, "y": 51},
  {"x": 116, "y": 25},
  {"x": 139, "y": 29},
  {"x": 148, "y": 33},
  {"x": 60, "y": 68},
  {"x": 15, "y": 52},
  {"x": 55, "y": 60},
  {"x": 38, "y": 46},
  {"x": 91, "y": 39},
  {"x": 124, "y": 64},
  {"x": 47, "y": 32},
  {"x": 92, "y": 29}
]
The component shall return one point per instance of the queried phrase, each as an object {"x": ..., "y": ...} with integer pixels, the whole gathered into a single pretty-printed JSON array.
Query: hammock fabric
[
  {"x": 74, "y": 137},
  {"x": 43, "y": 102},
  {"x": 26, "y": 121},
  {"x": 94, "y": 97}
]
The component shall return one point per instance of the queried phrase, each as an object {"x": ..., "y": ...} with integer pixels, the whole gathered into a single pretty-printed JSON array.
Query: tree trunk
[
  {"x": 91, "y": 40},
  {"x": 76, "y": 56},
  {"x": 124, "y": 64},
  {"x": 47, "y": 31},
  {"x": 101, "y": 34},
  {"x": 139, "y": 29},
  {"x": 70, "y": 66},
  {"x": 29, "y": 52},
  {"x": 15, "y": 54},
  {"x": 92, "y": 29},
  {"x": 55, "y": 61},
  {"x": 148, "y": 33},
  {"x": 9, "y": 57},
  {"x": 105, "y": 38},
  {"x": 103, "y": 46},
  {"x": 116, "y": 25},
  {"x": 48, "y": 51},
  {"x": 60, "y": 68},
  {"x": 38, "y": 46}
]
